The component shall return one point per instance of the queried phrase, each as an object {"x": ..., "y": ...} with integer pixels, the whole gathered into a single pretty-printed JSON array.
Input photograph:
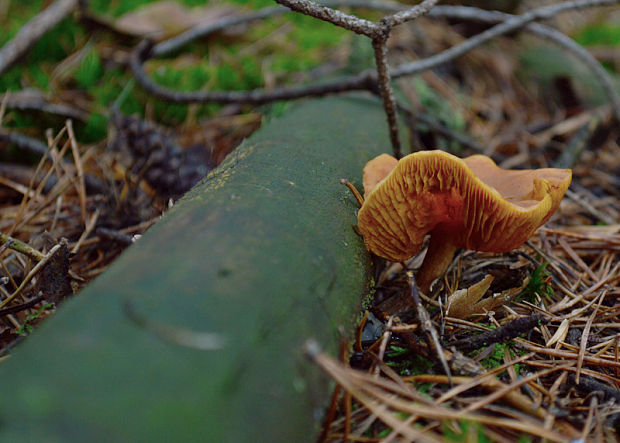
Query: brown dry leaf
[
  {"x": 164, "y": 19},
  {"x": 461, "y": 302},
  {"x": 467, "y": 302}
]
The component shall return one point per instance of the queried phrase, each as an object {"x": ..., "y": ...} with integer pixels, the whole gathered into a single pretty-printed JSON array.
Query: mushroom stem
[{"x": 441, "y": 249}]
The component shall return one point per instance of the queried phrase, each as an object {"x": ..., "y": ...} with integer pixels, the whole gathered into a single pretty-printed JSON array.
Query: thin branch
[
  {"x": 21, "y": 307},
  {"x": 379, "y": 32},
  {"x": 174, "y": 43},
  {"x": 426, "y": 324},
  {"x": 199, "y": 31},
  {"x": 29, "y": 99},
  {"x": 39, "y": 148},
  {"x": 80, "y": 186},
  {"x": 30, "y": 275},
  {"x": 335, "y": 17},
  {"x": 363, "y": 81},
  {"x": 509, "y": 25},
  {"x": 438, "y": 127},
  {"x": 545, "y": 32},
  {"x": 379, "y": 45},
  {"x": 23, "y": 141},
  {"x": 502, "y": 334},
  {"x": 366, "y": 80},
  {"x": 19, "y": 246},
  {"x": 408, "y": 15},
  {"x": 32, "y": 31}
]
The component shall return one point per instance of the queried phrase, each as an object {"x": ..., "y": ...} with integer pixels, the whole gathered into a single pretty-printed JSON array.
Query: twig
[
  {"x": 426, "y": 324},
  {"x": 587, "y": 206},
  {"x": 379, "y": 33},
  {"x": 29, "y": 99},
  {"x": 38, "y": 148},
  {"x": 174, "y": 43},
  {"x": 509, "y": 25},
  {"x": 199, "y": 31},
  {"x": 354, "y": 191},
  {"x": 20, "y": 246},
  {"x": 366, "y": 80},
  {"x": 408, "y": 15},
  {"x": 379, "y": 45},
  {"x": 118, "y": 237},
  {"x": 333, "y": 16},
  {"x": 439, "y": 128},
  {"x": 578, "y": 143},
  {"x": 30, "y": 275},
  {"x": 595, "y": 361},
  {"x": 32, "y": 31},
  {"x": 143, "y": 52},
  {"x": 90, "y": 225},
  {"x": 588, "y": 384},
  {"x": 21, "y": 307},
  {"x": 501, "y": 334},
  {"x": 489, "y": 383},
  {"x": 79, "y": 186},
  {"x": 474, "y": 14},
  {"x": 28, "y": 143},
  {"x": 502, "y": 391}
]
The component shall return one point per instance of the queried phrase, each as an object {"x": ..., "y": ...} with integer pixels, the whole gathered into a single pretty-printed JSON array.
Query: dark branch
[
  {"x": 408, "y": 15},
  {"x": 502, "y": 334},
  {"x": 387, "y": 93},
  {"x": 32, "y": 31},
  {"x": 546, "y": 32},
  {"x": 363, "y": 81},
  {"x": 350, "y": 22},
  {"x": 366, "y": 79},
  {"x": 28, "y": 143}
]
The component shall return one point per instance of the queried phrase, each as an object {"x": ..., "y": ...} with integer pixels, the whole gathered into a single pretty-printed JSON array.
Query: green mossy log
[{"x": 261, "y": 252}]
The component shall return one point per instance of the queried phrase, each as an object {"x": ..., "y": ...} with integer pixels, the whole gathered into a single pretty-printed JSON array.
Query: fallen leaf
[
  {"x": 461, "y": 302},
  {"x": 467, "y": 302},
  {"x": 165, "y": 19}
]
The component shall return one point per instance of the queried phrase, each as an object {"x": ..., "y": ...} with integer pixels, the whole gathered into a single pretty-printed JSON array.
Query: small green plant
[
  {"x": 497, "y": 356},
  {"x": 406, "y": 362},
  {"x": 27, "y": 326},
  {"x": 599, "y": 34},
  {"x": 465, "y": 431},
  {"x": 227, "y": 63},
  {"x": 89, "y": 71},
  {"x": 539, "y": 284}
]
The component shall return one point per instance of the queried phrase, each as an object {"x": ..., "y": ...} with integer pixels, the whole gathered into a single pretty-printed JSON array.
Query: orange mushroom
[{"x": 462, "y": 203}]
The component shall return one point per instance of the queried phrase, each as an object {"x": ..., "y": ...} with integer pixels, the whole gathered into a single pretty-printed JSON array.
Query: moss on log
[{"x": 262, "y": 253}]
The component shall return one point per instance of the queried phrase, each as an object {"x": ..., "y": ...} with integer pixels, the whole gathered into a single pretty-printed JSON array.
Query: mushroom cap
[
  {"x": 376, "y": 170},
  {"x": 472, "y": 202}
]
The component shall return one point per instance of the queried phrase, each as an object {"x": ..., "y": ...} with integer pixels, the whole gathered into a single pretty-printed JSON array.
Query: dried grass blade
[
  {"x": 573, "y": 255},
  {"x": 560, "y": 333},
  {"x": 80, "y": 186},
  {"x": 584, "y": 337},
  {"x": 90, "y": 225},
  {"x": 505, "y": 389},
  {"x": 372, "y": 397},
  {"x": 595, "y": 361},
  {"x": 364, "y": 393},
  {"x": 31, "y": 274},
  {"x": 478, "y": 380}
]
